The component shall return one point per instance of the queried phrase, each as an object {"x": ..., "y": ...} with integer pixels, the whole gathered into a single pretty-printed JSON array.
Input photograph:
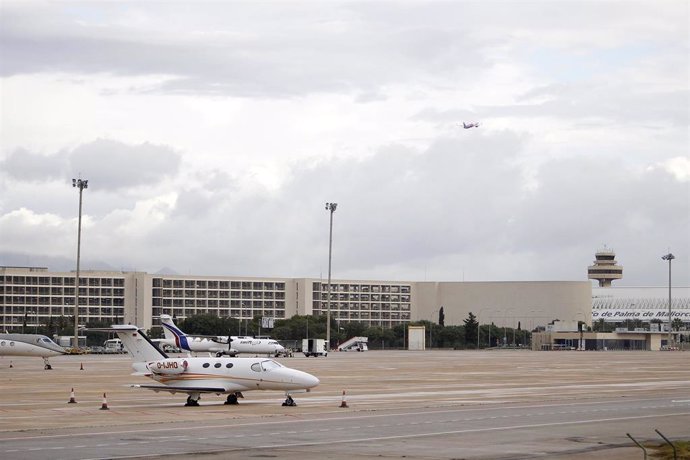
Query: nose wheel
[
  {"x": 193, "y": 400},
  {"x": 289, "y": 401}
]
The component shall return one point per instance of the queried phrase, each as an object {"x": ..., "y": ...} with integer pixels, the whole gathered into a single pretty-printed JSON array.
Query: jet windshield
[{"x": 270, "y": 364}]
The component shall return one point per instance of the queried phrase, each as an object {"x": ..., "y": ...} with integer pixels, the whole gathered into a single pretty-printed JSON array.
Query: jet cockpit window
[
  {"x": 269, "y": 365},
  {"x": 256, "y": 367}
]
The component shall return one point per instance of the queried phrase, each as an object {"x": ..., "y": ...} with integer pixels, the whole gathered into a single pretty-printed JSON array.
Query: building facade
[
  {"x": 31, "y": 296},
  {"x": 619, "y": 304}
]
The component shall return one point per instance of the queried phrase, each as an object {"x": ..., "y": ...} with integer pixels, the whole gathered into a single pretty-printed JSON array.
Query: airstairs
[{"x": 354, "y": 344}]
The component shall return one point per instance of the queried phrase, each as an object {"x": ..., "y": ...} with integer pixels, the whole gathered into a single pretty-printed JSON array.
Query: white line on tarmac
[
  {"x": 411, "y": 436},
  {"x": 187, "y": 427}
]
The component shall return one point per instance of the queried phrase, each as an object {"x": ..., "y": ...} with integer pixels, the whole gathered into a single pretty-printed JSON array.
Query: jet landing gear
[
  {"x": 232, "y": 399},
  {"x": 289, "y": 401},
  {"x": 193, "y": 400},
  {"x": 47, "y": 365}
]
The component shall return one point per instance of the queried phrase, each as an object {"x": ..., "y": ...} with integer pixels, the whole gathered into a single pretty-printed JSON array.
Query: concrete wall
[{"x": 504, "y": 303}]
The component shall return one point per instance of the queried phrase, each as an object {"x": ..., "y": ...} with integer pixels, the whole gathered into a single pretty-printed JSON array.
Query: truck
[
  {"x": 355, "y": 344},
  {"x": 113, "y": 346},
  {"x": 314, "y": 347}
]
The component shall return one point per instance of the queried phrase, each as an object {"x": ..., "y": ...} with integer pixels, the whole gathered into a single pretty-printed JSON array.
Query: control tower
[{"x": 605, "y": 268}]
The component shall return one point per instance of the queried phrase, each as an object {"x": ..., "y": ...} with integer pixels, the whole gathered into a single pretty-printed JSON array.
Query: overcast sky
[{"x": 212, "y": 134}]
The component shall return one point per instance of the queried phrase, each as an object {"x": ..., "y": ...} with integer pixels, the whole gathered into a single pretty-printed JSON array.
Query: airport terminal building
[{"x": 34, "y": 295}]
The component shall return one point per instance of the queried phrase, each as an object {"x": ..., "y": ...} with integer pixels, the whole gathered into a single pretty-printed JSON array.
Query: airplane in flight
[
  {"x": 208, "y": 375},
  {"x": 470, "y": 125},
  {"x": 30, "y": 345},
  {"x": 220, "y": 345}
]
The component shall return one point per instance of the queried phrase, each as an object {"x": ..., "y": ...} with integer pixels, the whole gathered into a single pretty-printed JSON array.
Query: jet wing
[{"x": 173, "y": 389}]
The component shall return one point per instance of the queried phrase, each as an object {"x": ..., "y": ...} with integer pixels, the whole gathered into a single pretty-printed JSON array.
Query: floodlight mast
[
  {"x": 81, "y": 184},
  {"x": 669, "y": 257},
  {"x": 331, "y": 207}
]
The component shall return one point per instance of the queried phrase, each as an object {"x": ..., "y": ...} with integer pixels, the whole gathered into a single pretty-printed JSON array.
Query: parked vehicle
[
  {"x": 355, "y": 344},
  {"x": 113, "y": 346},
  {"x": 314, "y": 347}
]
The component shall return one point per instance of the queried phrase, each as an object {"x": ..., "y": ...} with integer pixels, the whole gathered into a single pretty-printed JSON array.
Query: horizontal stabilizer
[
  {"x": 113, "y": 328},
  {"x": 135, "y": 341}
]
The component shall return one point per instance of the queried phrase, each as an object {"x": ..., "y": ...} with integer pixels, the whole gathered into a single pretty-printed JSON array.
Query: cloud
[
  {"x": 110, "y": 164},
  {"x": 113, "y": 165},
  {"x": 212, "y": 136},
  {"x": 33, "y": 167},
  {"x": 459, "y": 209},
  {"x": 679, "y": 167},
  {"x": 301, "y": 56}
]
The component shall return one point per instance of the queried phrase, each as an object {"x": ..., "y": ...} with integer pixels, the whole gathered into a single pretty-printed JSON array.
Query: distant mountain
[{"x": 56, "y": 264}]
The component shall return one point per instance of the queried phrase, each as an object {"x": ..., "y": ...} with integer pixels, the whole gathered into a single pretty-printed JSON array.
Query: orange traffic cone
[
  {"x": 104, "y": 406},
  {"x": 81, "y": 366},
  {"x": 343, "y": 403},
  {"x": 72, "y": 400}
]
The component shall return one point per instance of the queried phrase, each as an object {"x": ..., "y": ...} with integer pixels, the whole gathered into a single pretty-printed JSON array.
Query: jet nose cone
[
  {"x": 310, "y": 381},
  {"x": 58, "y": 350}
]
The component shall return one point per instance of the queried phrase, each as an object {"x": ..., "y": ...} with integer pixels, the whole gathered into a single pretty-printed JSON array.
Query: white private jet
[
  {"x": 470, "y": 125},
  {"x": 218, "y": 375},
  {"x": 30, "y": 345},
  {"x": 220, "y": 345}
]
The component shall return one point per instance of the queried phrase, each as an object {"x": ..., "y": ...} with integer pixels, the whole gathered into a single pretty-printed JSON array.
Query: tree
[
  {"x": 451, "y": 337},
  {"x": 204, "y": 324},
  {"x": 471, "y": 327},
  {"x": 441, "y": 317}
]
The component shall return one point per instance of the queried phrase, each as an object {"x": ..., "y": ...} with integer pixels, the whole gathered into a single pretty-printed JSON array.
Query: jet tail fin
[
  {"x": 173, "y": 333},
  {"x": 136, "y": 342}
]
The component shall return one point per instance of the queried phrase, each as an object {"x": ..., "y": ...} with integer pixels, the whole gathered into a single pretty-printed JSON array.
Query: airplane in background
[
  {"x": 30, "y": 345},
  {"x": 470, "y": 125},
  {"x": 206, "y": 375},
  {"x": 220, "y": 345}
]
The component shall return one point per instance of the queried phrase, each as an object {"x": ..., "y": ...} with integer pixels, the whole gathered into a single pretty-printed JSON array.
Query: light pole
[
  {"x": 431, "y": 329},
  {"x": 491, "y": 323},
  {"x": 581, "y": 329},
  {"x": 505, "y": 326},
  {"x": 531, "y": 324},
  {"x": 669, "y": 257},
  {"x": 81, "y": 184},
  {"x": 479, "y": 325},
  {"x": 331, "y": 207}
]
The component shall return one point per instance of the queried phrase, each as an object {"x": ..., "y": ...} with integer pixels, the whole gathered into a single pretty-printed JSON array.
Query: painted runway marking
[
  {"x": 385, "y": 438},
  {"x": 463, "y": 410},
  {"x": 369, "y": 439}
]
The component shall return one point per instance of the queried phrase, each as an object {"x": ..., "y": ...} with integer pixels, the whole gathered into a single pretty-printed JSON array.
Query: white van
[{"x": 113, "y": 346}]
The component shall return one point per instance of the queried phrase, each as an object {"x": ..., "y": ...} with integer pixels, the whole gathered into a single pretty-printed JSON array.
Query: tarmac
[{"x": 440, "y": 404}]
